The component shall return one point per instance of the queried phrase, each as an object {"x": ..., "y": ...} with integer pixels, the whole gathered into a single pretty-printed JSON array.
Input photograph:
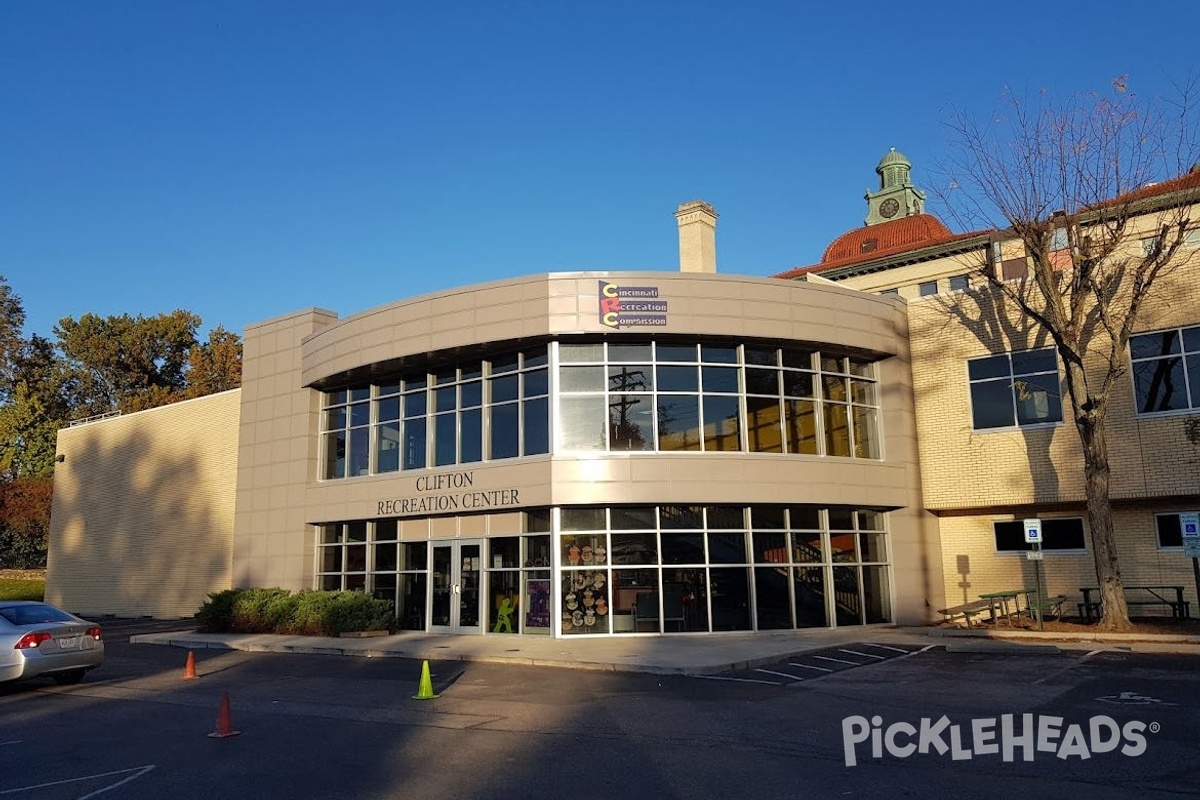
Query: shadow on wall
[
  {"x": 1001, "y": 330},
  {"x": 141, "y": 525}
]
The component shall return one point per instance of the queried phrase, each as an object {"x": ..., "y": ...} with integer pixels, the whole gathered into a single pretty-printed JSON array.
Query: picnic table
[
  {"x": 1144, "y": 596},
  {"x": 1000, "y": 603}
]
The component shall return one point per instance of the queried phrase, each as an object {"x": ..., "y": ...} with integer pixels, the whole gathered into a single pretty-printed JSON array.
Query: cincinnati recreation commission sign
[
  {"x": 631, "y": 306},
  {"x": 451, "y": 491}
]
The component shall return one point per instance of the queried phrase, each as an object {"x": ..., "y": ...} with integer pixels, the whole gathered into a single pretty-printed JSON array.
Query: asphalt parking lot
[{"x": 320, "y": 726}]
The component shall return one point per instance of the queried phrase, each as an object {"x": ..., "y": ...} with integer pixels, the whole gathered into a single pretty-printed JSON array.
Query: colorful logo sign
[{"x": 631, "y": 306}]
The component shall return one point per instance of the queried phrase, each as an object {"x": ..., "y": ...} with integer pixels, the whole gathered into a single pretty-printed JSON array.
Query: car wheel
[{"x": 69, "y": 677}]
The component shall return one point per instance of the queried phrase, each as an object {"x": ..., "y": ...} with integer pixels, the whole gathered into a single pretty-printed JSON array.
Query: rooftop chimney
[{"x": 697, "y": 237}]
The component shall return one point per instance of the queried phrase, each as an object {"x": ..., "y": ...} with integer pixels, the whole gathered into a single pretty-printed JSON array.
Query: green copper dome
[{"x": 893, "y": 157}]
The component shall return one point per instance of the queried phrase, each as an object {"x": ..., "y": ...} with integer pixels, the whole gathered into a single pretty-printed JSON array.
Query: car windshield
[{"x": 31, "y": 615}]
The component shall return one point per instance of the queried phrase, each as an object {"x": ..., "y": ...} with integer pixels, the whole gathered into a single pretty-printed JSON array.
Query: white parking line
[
  {"x": 885, "y": 647},
  {"x": 787, "y": 675},
  {"x": 738, "y": 680},
  {"x": 864, "y": 655},
  {"x": 137, "y": 773},
  {"x": 912, "y": 653},
  {"x": 839, "y": 660},
  {"x": 810, "y": 666}
]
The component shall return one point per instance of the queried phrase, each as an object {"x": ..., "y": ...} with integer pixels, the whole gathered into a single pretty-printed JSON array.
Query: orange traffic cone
[
  {"x": 189, "y": 669},
  {"x": 224, "y": 724},
  {"x": 425, "y": 690}
]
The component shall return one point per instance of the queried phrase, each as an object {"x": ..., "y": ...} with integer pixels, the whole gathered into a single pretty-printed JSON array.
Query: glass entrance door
[{"x": 456, "y": 587}]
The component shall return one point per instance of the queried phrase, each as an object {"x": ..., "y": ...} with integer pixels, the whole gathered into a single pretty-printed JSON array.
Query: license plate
[{"x": 69, "y": 642}]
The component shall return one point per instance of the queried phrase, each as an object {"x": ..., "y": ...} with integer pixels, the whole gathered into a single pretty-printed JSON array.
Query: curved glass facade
[
  {"x": 646, "y": 395},
  {"x": 635, "y": 569}
]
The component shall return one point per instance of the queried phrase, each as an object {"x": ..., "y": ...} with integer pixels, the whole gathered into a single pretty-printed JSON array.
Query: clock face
[{"x": 889, "y": 207}]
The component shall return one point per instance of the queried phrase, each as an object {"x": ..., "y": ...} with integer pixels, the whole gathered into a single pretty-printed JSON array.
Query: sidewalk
[{"x": 669, "y": 654}]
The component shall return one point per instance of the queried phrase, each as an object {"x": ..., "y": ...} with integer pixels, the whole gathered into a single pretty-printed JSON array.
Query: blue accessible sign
[{"x": 1189, "y": 526}]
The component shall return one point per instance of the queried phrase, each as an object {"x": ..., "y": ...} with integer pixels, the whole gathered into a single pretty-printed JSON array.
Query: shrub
[
  {"x": 261, "y": 610},
  {"x": 311, "y": 613},
  {"x": 216, "y": 615}
]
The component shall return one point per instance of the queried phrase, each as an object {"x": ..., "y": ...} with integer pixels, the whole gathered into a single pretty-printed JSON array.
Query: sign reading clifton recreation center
[
  {"x": 452, "y": 491},
  {"x": 631, "y": 306}
]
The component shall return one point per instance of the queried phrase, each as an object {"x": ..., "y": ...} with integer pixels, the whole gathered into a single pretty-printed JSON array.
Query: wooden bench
[{"x": 966, "y": 611}]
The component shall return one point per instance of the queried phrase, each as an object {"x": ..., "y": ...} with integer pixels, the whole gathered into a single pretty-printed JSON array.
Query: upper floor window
[
  {"x": 491, "y": 409},
  {"x": 1166, "y": 370},
  {"x": 1058, "y": 239},
  {"x": 928, "y": 287},
  {"x": 960, "y": 282},
  {"x": 659, "y": 396},
  {"x": 1015, "y": 389}
]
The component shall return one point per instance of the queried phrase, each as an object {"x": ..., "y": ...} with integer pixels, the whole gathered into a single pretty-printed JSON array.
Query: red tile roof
[
  {"x": 918, "y": 231},
  {"x": 1189, "y": 180},
  {"x": 879, "y": 241}
]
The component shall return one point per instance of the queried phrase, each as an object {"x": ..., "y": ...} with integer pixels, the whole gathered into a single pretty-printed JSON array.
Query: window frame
[
  {"x": 1183, "y": 356},
  {"x": 1012, "y": 376},
  {"x": 1177, "y": 533},
  {"x": 1049, "y": 530}
]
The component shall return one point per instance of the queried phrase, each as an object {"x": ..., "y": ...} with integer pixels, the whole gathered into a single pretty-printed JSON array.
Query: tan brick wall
[
  {"x": 142, "y": 517},
  {"x": 1150, "y": 456},
  {"x": 972, "y": 566}
]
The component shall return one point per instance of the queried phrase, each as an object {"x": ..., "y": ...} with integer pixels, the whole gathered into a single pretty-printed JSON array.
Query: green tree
[
  {"x": 216, "y": 365},
  {"x": 36, "y": 408},
  {"x": 12, "y": 322},
  {"x": 124, "y": 363}
]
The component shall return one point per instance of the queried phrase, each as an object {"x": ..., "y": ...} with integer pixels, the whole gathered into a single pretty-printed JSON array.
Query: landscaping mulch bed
[{"x": 23, "y": 574}]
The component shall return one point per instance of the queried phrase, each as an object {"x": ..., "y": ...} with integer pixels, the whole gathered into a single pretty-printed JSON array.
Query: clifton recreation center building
[{"x": 625, "y": 453}]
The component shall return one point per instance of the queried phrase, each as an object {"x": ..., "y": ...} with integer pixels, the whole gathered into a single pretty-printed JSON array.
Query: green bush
[
  {"x": 216, "y": 615},
  {"x": 310, "y": 613}
]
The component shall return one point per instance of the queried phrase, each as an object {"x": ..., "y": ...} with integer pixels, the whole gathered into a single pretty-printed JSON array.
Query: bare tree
[{"x": 1071, "y": 189}]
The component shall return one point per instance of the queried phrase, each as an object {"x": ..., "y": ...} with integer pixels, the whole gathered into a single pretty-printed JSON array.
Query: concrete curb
[
  {"x": 1002, "y": 648},
  {"x": 1059, "y": 636}
]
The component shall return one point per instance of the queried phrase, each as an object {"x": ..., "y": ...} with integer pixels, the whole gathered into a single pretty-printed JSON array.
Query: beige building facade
[
  {"x": 984, "y": 468},
  {"x": 622, "y": 453},
  {"x": 565, "y": 454}
]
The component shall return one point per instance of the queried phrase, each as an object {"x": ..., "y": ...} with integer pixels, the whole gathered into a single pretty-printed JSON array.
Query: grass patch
[{"x": 18, "y": 589}]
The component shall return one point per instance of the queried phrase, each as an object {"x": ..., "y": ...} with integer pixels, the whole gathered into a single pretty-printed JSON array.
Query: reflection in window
[
  {"x": 439, "y": 419},
  {"x": 1166, "y": 370},
  {"x": 1015, "y": 389},
  {"x": 719, "y": 398}
]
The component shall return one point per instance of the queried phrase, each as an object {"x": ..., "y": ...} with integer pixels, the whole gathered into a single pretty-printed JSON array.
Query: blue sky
[{"x": 243, "y": 160}]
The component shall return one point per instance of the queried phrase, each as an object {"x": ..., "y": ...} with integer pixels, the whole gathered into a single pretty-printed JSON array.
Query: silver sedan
[{"x": 39, "y": 639}]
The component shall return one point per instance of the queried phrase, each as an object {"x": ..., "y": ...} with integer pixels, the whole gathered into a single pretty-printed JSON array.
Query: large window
[
  {"x": 461, "y": 414},
  {"x": 713, "y": 397},
  {"x": 1170, "y": 533},
  {"x": 675, "y": 569},
  {"x": 1015, "y": 389},
  {"x": 1057, "y": 534},
  {"x": 641, "y": 396},
  {"x": 1166, "y": 370}
]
